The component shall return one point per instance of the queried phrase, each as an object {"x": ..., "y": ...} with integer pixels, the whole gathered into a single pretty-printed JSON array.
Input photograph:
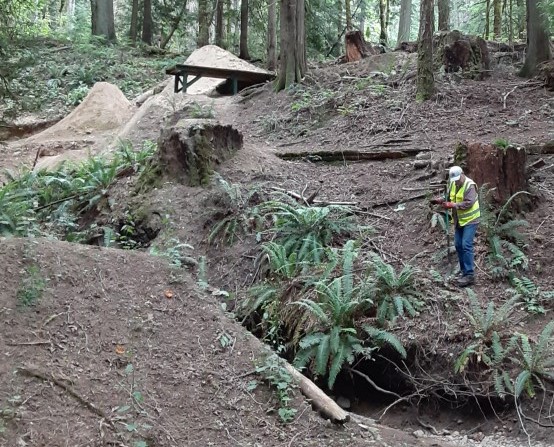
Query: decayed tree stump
[
  {"x": 356, "y": 46},
  {"x": 189, "y": 149},
  {"x": 503, "y": 170},
  {"x": 547, "y": 74},
  {"x": 457, "y": 51}
]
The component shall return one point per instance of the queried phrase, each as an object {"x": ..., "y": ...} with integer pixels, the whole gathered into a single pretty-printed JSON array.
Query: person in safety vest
[{"x": 463, "y": 200}]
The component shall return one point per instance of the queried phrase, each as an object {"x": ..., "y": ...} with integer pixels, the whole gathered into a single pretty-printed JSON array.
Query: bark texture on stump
[
  {"x": 356, "y": 46},
  {"x": 457, "y": 51},
  {"x": 190, "y": 149},
  {"x": 547, "y": 74},
  {"x": 503, "y": 170}
]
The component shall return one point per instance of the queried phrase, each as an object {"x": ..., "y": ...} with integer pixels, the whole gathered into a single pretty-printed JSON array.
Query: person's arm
[{"x": 470, "y": 197}]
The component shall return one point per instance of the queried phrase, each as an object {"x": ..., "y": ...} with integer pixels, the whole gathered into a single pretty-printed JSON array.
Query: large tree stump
[
  {"x": 503, "y": 170},
  {"x": 356, "y": 46},
  {"x": 189, "y": 149},
  {"x": 457, "y": 51},
  {"x": 546, "y": 71}
]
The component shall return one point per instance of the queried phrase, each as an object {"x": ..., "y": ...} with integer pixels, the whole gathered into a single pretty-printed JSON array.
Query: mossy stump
[
  {"x": 190, "y": 149},
  {"x": 502, "y": 169},
  {"x": 456, "y": 51}
]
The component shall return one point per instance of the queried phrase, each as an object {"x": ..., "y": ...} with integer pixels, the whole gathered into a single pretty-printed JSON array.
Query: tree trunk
[
  {"x": 538, "y": 39},
  {"x": 425, "y": 78},
  {"x": 511, "y": 22},
  {"x": 520, "y": 19},
  {"x": 405, "y": 23},
  {"x": 363, "y": 15},
  {"x": 134, "y": 20},
  {"x": 383, "y": 22},
  {"x": 219, "y": 23},
  {"x": 102, "y": 19},
  {"x": 497, "y": 25},
  {"x": 293, "y": 43},
  {"x": 226, "y": 39},
  {"x": 70, "y": 8},
  {"x": 203, "y": 24},
  {"x": 487, "y": 19},
  {"x": 348, "y": 12},
  {"x": 356, "y": 46},
  {"x": 339, "y": 20},
  {"x": 272, "y": 35},
  {"x": 243, "y": 45},
  {"x": 174, "y": 25},
  {"x": 444, "y": 15},
  {"x": 147, "y": 22}
]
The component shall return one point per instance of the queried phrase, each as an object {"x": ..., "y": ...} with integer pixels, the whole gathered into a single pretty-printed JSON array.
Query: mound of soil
[
  {"x": 118, "y": 347},
  {"x": 84, "y": 130}
]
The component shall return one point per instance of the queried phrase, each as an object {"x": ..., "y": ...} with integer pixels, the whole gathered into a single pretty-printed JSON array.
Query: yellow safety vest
[{"x": 472, "y": 213}]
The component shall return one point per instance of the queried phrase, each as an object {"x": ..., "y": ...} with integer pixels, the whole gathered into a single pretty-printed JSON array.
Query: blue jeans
[{"x": 463, "y": 241}]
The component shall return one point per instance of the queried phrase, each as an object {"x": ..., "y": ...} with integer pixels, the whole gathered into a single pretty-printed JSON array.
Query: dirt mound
[
  {"x": 213, "y": 56},
  {"x": 119, "y": 348}
]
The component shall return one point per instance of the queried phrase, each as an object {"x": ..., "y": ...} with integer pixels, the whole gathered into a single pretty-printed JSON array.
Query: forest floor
[{"x": 133, "y": 351}]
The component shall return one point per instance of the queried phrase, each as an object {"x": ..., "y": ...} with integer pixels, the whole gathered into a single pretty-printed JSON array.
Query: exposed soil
[{"x": 195, "y": 390}]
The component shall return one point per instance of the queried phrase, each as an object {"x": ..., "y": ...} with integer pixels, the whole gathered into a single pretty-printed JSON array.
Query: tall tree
[
  {"x": 363, "y": 15},
  {"x": 497, "y": 24},
  {"x": 243, "y": 44},
  {"x": 147, "y": 22},
  {"x": 444, "y": 14},
  {"x": 538, "y": 39},
  {"x": 348, "y": 12},
  {"x": 383, "y": 21},
  {"x": 425, "y": 78},
  {"x": 102, "y": 19},
  {"x": 487, "y": 18},
  {"x": 219, "y": 24},
  {"x": 293, "y": 43},
  {"x": 272, "y": 34},
  {"x": 134, "y": 21},
  {"x": 521, "y": 18},
  {"x": 174, "y": 24},
  {"x": 203, "y": 24},
  {"x": 405, "y": 23}
]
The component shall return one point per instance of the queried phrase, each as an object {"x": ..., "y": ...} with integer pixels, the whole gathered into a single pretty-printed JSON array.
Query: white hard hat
[{"x": 455, "y": 173}]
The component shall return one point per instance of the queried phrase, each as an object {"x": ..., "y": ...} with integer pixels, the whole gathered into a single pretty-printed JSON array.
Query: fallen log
[
  {"x": 540, "y": 149},
  {"x": 326, "y": 406},
  {"x": 351, "y": 155}
]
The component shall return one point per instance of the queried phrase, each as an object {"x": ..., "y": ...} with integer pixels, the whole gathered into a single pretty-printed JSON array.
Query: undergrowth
[{"x": 53, "y": 202}]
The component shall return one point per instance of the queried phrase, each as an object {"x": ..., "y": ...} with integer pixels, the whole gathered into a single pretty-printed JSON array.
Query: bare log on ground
[
  {"x": 351, "y": 155},
  {"x": 503, "y": 170},
  {"x": 356, "y": 46},
  {"x": 541, "y": 149},
  {"x": 190, "y": 149},
  {"x": 326, "y": 406}
]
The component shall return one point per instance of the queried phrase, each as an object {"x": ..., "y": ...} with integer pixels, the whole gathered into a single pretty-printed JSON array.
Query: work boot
[{"x": 465, "y": 281}]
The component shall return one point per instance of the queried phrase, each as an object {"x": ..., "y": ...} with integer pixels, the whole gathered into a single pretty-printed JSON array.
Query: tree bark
[
  {"x": 134, "y": 21},
  {"x": 219, "y": 24},
  {"x": 272, "y": 35},
  {"x": 174, "y": 25},
  {"x": 203, "y": 24},
  {"x": 147, "y": 22},
  {"x": 293, "y": 43},
  {"x": 538, "y": 39},
  {"x": 425, "y": 77},
  {"x": 383, "y": 22},
  {"x": 405, "y": 24},
  {"x": 487, "y": 19},
  {"x": 497, "y": 24},
  {"x": 102, "y": 19},
  {"x": 339, "y": 20},
  {"x": 511, "y": 22},
  {"x": 243, "y": 44},
  {"x": 520, "y": 19},
  {"x": 363, "y": 15},
  {"x": 444, "y": 15},
  {"x": 348, "y": 12}
]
